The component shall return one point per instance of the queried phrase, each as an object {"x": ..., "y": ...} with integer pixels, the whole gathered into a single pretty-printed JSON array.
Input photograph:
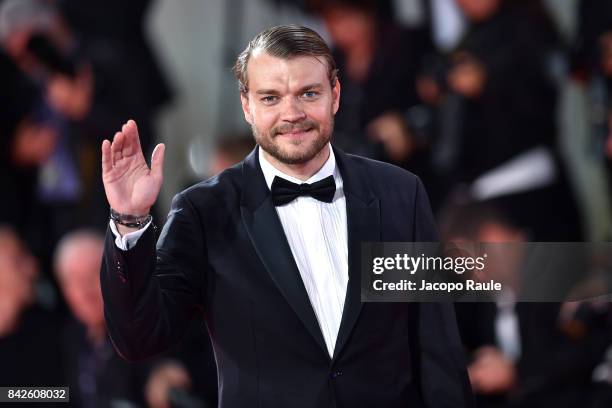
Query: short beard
[{"x": 274, "y": 150}]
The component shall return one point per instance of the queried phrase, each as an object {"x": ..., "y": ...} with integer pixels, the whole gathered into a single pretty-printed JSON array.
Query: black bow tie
[{"x": 284, "y": 191}]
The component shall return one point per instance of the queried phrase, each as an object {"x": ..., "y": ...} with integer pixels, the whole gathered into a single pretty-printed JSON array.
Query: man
[
  {"x": 378, "y": 58},
  {"x": 276, "y": 272},
  {"x": 29, "y": 344},
  {"x": 96, "y": 376}
]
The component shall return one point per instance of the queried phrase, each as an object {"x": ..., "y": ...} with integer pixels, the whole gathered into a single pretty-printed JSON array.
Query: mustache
[{"x": 292, "y": 127}]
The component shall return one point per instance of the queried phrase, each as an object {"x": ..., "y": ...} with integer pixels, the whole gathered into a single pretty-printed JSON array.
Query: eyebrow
[
  {"x": 311, "y": 86},
  {"x": 267, "y": 92},
  {"x": 302, "y": 89}
]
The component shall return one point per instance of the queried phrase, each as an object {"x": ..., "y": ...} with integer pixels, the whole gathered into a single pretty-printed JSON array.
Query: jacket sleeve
[
  {"x": 444, "y": 379},
  {"x": 151, "y": 292}
]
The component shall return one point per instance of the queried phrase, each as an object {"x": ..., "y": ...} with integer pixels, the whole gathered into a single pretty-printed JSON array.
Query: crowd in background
[{"x": 476, "y": 117}]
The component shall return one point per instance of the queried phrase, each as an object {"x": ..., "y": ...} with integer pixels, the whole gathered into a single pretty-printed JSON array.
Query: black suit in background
[
  {"x": 516, "y": 109},
  {"x": 388, "y": 87},
  {"x": 555, "y": 367},
  {"x": 31, "y": 352},
  {"x": 97, "y": 377},
  {"x": 223, "y": 252},
  {"x": 518, "y": 47},
  {"x": 18, "y": 95}
]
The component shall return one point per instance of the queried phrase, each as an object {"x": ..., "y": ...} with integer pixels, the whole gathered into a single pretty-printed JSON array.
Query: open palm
[{"x": 131, "y": 186}]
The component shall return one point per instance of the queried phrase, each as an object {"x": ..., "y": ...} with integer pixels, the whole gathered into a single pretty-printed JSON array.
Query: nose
[{"x": 293, "y": 111}]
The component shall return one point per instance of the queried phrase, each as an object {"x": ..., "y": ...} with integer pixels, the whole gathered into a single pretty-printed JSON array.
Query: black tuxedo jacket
[{"x": 223, "y": 252}]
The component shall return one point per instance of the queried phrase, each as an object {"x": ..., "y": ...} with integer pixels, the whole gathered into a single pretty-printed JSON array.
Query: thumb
[{"x": 157, "y": 161}]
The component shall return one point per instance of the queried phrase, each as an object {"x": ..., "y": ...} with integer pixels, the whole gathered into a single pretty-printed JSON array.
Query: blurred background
[{"x": 502, "y": 107}]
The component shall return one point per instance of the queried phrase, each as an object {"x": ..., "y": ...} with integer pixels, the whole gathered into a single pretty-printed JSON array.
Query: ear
[
  {"x": 244, "y": 100},
  {"x": 336, "y": 96}
]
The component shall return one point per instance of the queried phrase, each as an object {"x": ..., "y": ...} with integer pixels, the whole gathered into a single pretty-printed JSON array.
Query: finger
[
  {"x": 117, "y": 147},
  {"x": 157, "y": 161},
  {"x": 129, "y": 147},
  {"x": 132, "y": 138},
  {"x": 128, "y": 143},
  {"x": 107, "y": 161}
]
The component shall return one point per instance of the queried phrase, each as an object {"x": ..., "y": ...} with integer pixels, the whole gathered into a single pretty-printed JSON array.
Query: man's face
[
  {"x": 349, "y": 26},
  {"x": 79, "y": 270},
  {"x": 479, "y": 10},
  {"x": 290, "y": 105},
  {"x": 18, "y": 271}
]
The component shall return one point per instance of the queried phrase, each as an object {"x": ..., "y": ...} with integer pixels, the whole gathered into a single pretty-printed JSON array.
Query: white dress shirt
[{"x": 317, "y": 235}]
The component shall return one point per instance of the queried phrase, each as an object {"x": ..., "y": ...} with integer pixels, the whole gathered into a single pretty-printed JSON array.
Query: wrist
[{"x": 131, "y": 221}]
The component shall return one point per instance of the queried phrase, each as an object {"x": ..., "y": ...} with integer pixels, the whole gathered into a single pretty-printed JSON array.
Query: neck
[{"x": 301, "y": 171}]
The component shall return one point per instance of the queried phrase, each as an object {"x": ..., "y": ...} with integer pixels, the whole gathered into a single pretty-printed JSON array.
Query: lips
[{"x": 295, "y": 132}]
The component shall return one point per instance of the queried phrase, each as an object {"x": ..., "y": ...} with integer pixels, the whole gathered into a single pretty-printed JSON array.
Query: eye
[
  {"x": 269, "y": 100},
  {"x": 310, "y": 94}
]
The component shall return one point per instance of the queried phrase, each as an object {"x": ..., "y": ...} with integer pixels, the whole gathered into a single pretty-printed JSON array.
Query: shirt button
[{"x": 335, "y": 374}]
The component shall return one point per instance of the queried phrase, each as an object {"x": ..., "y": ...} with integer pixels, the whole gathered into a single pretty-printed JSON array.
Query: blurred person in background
[
  {"x": 592, "y": 66},
  {"x": 97, "y": 377},
  {"x": 80, "y": 57},
  {"x": 25, "y": 145},
  {"x": 523, "y": 354},
  {"x": 186, "y": 376},
  {"x": 231, "y": 149},
  {"x": 496, "y": 96},
  {"x": 162, "y": 385},
  {"x": 111, "y": 36},
  {"x": 378, "y": 61},
  {"x": 29, "y": 341},
  {"x": 41, "y": 48}
]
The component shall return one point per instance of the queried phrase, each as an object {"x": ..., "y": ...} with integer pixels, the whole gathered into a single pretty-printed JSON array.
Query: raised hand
[{"x": 131, "y": 186}]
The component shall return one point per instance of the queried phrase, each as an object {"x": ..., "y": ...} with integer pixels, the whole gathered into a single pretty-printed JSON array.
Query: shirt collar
[{"x": 328, "y": 169}]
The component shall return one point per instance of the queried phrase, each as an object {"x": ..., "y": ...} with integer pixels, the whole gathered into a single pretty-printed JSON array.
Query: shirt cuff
[{"x": 126, "y": 241}]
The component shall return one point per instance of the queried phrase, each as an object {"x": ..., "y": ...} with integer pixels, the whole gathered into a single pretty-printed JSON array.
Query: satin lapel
[
  {"x": 363, "y": 223},
  {"x": 267, "y": 236}
]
